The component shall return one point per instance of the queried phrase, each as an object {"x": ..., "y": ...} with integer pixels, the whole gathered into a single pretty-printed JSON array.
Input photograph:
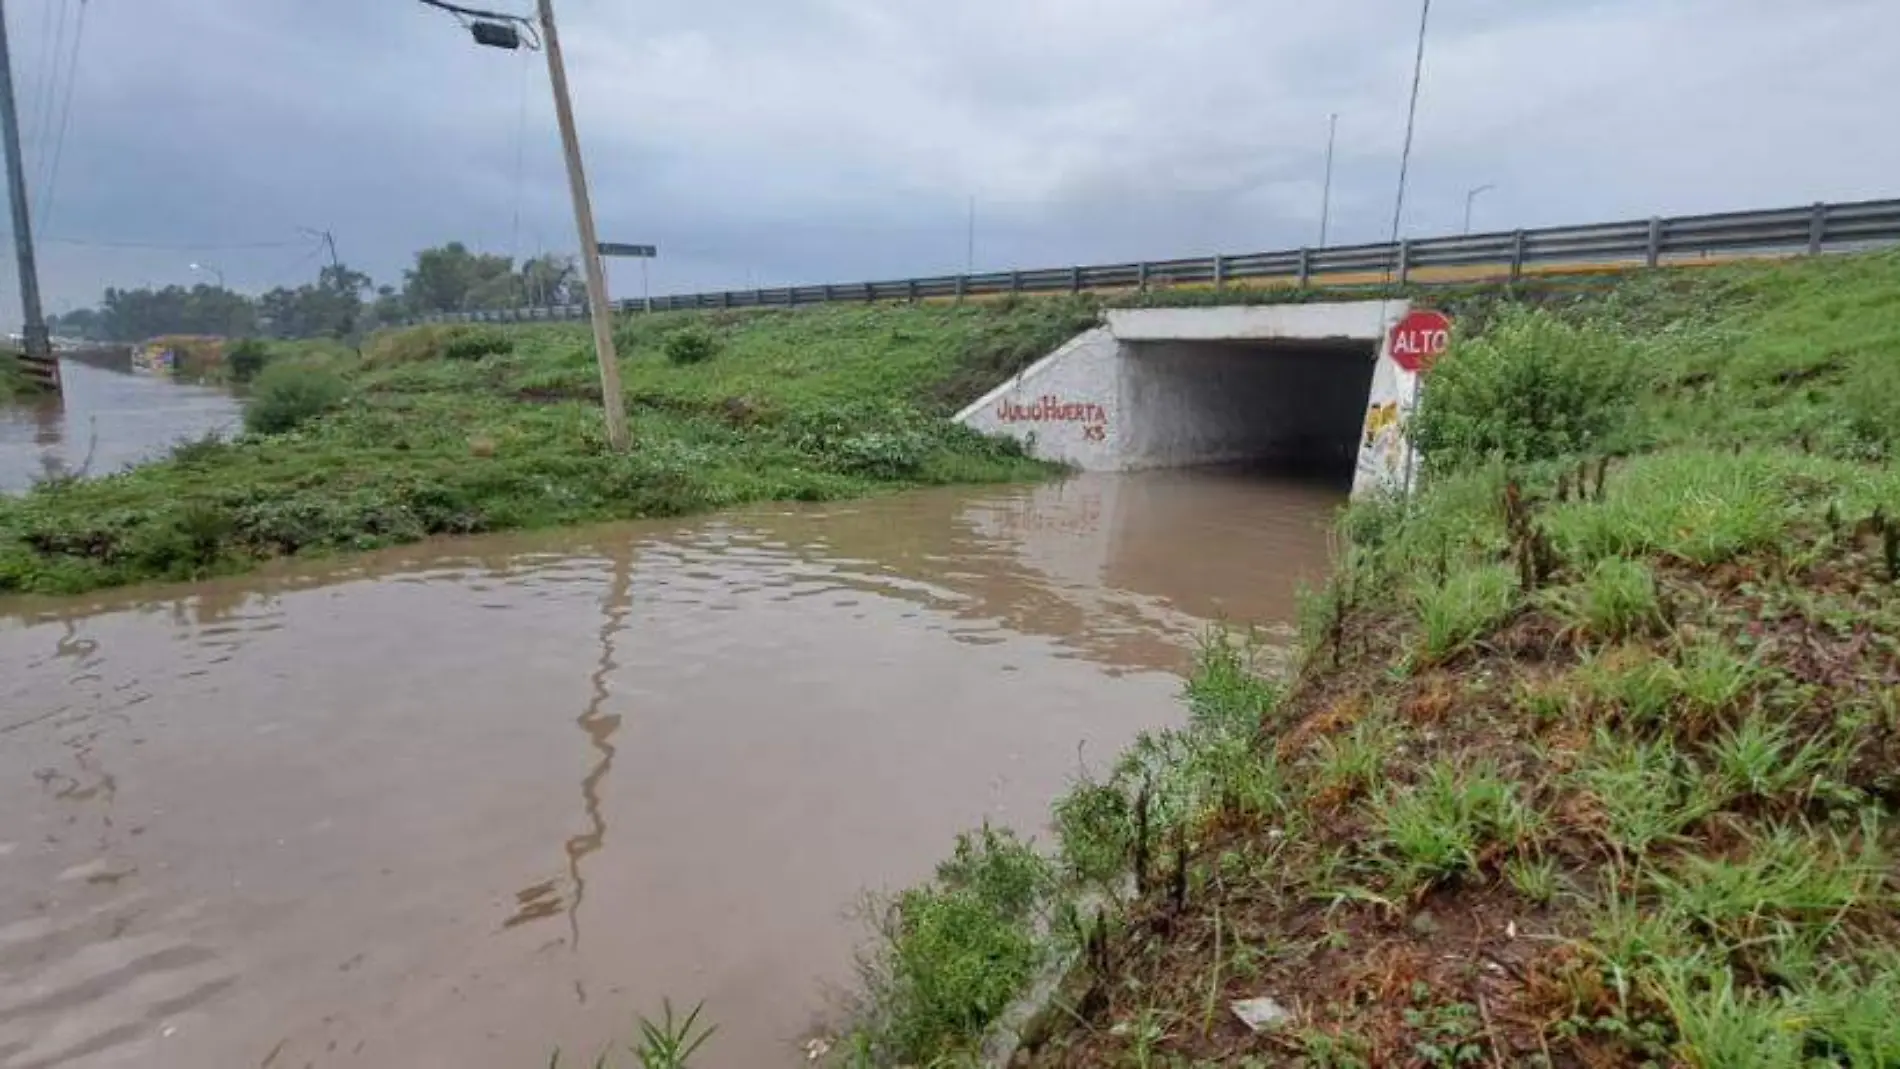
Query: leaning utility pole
[
  {"x": 499, "y": 29},
  {"x": 39, "y": 348},
  {"x": 601, "y": 312}
]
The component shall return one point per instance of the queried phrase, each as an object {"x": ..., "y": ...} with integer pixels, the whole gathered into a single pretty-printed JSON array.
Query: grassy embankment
[
  {"x": 12, "y": 382},
  {"x": 1591, "y": 758},
  {"x": 458, "y": 430}
]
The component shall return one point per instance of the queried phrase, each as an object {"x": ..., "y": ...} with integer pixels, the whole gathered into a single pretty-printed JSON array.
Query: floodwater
[
  {"x": 104, "y": 421},
  {"x": 459, "y": 803}
]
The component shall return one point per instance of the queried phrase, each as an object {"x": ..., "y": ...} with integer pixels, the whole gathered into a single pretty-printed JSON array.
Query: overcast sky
[{"x": 761, "y": 142}]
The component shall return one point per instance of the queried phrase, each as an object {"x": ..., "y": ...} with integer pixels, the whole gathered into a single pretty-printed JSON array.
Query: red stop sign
[{"x": 1418, "y": 339}]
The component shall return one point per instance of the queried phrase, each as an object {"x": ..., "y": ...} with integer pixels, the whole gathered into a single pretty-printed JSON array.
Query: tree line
[{"x": 340, "y": 303}]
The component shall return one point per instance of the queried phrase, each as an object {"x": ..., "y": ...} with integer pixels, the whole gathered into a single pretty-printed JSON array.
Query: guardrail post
[
  {"x": 1075, "y": 280},
  {"x": 870, "y": 294},
  {"x": 1517, "y": 255},
  {"x": 910, "y": 290},
  {"x": 1652, "y": 253},
  {"x": 1306, "y": 266},
  {"x": 758, "y": 298},
  {"x": 1015, "y": 282},
  {"x": 963, "y": 286},
  {"x": 1817, "y": 228},
  {"x": 1405, "y": 260},
  {"x": 1141, "y": 276},
  {"x": 1220, "y": 271},
  {"x": 828, "y": 297}
]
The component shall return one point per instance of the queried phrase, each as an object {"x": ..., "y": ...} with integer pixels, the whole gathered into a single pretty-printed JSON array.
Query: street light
[
  {"x": 210, "y": 270},
  {"x": 1471, "y": 195},
  {"x": 499, "y": 29}
]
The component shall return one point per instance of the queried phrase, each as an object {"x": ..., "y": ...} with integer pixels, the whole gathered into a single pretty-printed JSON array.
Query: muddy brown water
[
  {"x": 102, "y": 421},
  {"x": 459, "y": 803}
]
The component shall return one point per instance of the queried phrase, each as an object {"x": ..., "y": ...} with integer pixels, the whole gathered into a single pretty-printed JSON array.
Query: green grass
[
  {"x": 1615, "y": 600},
  {"x": 1441, "y": 827},
  {"x": 1464, "y": 606},
  {"x": 12, "y": 382},
  {"x": 953, "y": 954},
  {"x": 452, "y": 431}
]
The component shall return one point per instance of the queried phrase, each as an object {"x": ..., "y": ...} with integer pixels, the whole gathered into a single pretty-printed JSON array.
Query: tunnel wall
[{"x": 1160, "y": 387}]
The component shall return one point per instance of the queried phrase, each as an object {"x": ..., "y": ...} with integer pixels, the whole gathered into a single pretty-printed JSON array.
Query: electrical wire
[
  {"x": 51, "y": 183},
  {"x": 52, "y": 40},
  {"x": 521, "y": 139},
  {"x": 167, "y": 246}
]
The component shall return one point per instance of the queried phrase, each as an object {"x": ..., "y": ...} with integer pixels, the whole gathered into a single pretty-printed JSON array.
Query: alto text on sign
[{"x": 1418, "y": 339}]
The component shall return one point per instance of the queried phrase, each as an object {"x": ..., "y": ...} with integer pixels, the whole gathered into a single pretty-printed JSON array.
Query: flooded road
[
  {"x": 104, "y": 421},
  {"x": 459, "y": 803}
]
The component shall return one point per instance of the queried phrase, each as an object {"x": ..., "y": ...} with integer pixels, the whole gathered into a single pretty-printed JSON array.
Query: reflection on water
[
  {"x": 103, "y": 421},
  {"x": 454, "y": 803}
]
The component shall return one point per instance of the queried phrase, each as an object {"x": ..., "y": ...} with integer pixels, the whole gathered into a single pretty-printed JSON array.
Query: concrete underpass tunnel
[
  {"x": 1304, "y": 387},
  {"x": 1295, "y": 406}
]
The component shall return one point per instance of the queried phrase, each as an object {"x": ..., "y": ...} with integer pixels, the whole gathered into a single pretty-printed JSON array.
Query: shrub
[
  {"x": 1531, "y": 387},
  {"x": 247, "y": 358},
  {"x": 288, "y": 395},
  {"x": 438, "y": 341},
  {"x": 1872, "y": 400},
  {"x": 473, "y": 343},
  {"x": 958, "y": 950},
  {"x": 690, "y": 345}
]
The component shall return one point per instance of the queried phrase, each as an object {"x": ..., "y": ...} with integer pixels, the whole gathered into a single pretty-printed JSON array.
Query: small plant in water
[{"x": 668, "y": 1043}]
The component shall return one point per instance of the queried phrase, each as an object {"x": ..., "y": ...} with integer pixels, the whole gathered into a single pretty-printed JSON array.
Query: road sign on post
[
  {"x": 1418, "y": 339},
  {"x": 616, "y": 248}
]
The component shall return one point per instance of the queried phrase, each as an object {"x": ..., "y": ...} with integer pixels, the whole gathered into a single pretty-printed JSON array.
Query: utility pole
[
  {"x": 499, "y": 29},
  {"x": 614, "y": 402},
  {"x": 1326, "y": 189},
  {"x": 33, "y": 335}
]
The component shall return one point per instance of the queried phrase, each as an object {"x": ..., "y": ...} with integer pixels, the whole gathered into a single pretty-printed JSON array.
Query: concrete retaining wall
[{"x": 1174, "y": 387}]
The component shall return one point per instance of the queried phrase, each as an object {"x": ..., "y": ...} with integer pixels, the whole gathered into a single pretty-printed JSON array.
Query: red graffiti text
[{"x": 1050, "y": 408}]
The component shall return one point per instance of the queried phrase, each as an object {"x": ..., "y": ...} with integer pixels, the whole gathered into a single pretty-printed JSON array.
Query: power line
[
  {"x": 170, "y": 246},
  {"x": 65, "y": 116},
  {"x": 53, "y": 16},
  {"x": 49, "y": 87},
  {"x": 478, "y": 13}
]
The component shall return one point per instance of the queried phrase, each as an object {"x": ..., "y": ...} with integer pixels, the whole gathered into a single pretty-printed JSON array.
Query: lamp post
[
  {"x": 498, "y": 29},
  {"x": 1326, "y": 188},
  {"x": 214, "y": 272},
  {"x": 1471, "y": 197}
]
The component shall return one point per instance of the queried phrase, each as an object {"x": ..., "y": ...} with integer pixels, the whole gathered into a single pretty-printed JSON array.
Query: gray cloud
[{"x": 767, "y": 141}]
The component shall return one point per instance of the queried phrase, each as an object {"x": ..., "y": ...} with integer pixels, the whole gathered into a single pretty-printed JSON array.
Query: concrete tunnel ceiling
[{"x": 1305, "y": 386}]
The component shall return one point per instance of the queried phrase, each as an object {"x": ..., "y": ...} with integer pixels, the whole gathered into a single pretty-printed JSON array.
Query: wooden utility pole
[
  {"x": 38, "y": 345},
  {"x": 613, "y": 401}
]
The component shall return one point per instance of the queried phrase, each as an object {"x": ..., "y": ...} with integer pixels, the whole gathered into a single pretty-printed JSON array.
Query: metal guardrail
[{"x": 1818, "y": 228}]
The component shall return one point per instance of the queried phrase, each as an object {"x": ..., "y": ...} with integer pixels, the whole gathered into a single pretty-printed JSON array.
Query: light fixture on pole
[
  {"x": 1471, "y": 197},
  {"x": 214, "y": 272},
  {"x": 499, "y": 29}
]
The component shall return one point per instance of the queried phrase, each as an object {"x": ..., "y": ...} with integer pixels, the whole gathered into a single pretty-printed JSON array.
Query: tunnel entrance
[
  {"x": 1286, "y": 406},
  {"x": 1299, "y": 386}
]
